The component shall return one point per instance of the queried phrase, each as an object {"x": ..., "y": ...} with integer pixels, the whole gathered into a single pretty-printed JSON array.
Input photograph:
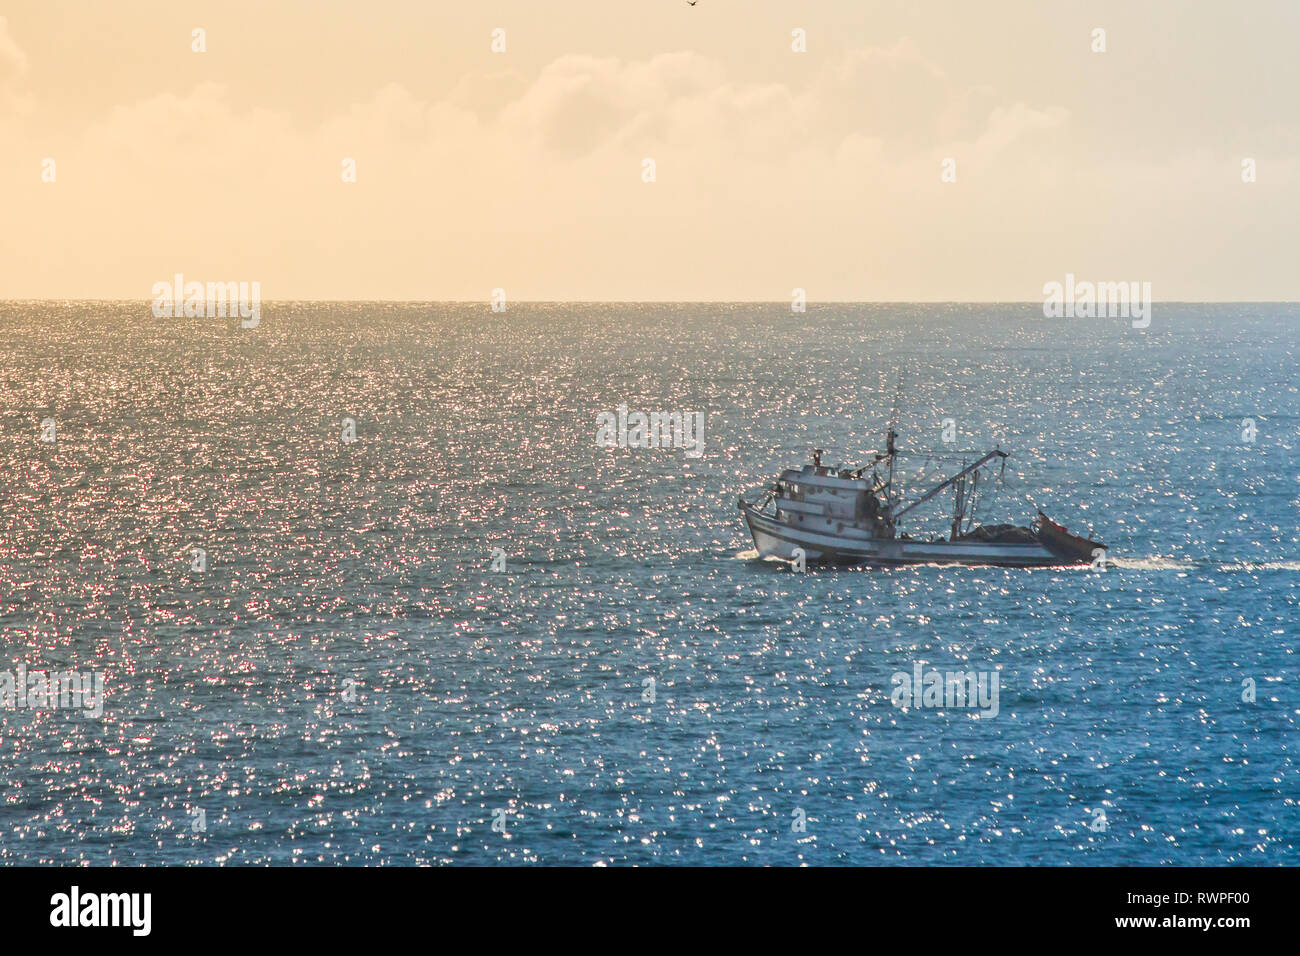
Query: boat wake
[
  {"x": 1157, "y": 563},
  {"x": 1153, "y": 563},
  {"x": 1261, "y": 566}
]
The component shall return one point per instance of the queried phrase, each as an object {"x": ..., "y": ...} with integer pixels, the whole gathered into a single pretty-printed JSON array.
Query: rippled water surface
[{"x": 350, "y": 682}]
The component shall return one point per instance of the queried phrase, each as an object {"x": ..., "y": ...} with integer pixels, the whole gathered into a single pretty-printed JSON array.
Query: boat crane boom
[{"x": 995, "y": 453}]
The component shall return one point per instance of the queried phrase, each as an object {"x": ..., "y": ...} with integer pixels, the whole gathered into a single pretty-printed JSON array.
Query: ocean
[{"x": 473, "y": 635}]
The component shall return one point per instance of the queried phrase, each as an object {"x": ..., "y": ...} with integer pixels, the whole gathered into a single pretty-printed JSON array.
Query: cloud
[
  {"x": 534, "y": 184},
  {"x": 13, "y": 68},
  {"x": 13, "y": 62},
  {"x": 581, "y": 104},
  {"x": 579, "y": 115}
]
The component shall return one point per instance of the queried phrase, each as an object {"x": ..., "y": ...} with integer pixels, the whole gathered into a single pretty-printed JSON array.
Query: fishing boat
[{"x": 841, "y": 515}]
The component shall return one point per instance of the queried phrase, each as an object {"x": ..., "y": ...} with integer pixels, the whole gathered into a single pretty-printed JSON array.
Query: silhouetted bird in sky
[{"x": 692, "y": 3}]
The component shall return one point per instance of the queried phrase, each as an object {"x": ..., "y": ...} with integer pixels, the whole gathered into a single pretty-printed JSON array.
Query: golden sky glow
[{"x": 774, "y": 169}]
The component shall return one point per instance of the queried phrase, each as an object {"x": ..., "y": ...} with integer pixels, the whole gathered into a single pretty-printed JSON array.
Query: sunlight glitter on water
[{"x": 349, "y": 680}]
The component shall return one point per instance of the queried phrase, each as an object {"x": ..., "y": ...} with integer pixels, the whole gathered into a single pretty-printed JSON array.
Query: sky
[{"x": 127, "y": 157}]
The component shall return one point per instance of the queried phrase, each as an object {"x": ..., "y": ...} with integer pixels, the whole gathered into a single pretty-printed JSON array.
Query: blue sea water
[{"x": 349, "y": 681}]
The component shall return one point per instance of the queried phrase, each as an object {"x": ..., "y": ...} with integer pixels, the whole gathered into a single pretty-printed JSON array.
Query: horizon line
[{"x": 810, "y": 302}]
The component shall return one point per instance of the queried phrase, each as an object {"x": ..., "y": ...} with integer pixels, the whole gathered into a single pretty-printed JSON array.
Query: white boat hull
[{"x": 777, "y": 539}]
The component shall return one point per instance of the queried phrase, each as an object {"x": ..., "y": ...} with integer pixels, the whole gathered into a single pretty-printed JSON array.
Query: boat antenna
[{"x": 898, "y": 398}]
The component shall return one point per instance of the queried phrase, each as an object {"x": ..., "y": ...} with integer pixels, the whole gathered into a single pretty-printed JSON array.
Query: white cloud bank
[{"x": 535, "y": 186}]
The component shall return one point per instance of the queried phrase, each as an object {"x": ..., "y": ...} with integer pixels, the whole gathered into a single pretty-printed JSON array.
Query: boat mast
[
  {"x": 890, "y": 452},
  {"x": 959, "y": 506},
  {"x": 891, "y": 448}
]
